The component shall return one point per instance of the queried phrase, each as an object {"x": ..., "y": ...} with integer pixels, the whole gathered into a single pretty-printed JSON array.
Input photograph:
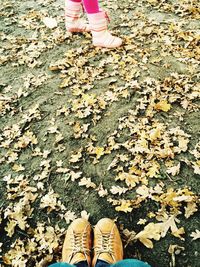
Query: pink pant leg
[{"x": 91, "y": 6}]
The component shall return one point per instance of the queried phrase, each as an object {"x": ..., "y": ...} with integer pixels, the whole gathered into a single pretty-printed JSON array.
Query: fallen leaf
[
  {"x": 195, "y": 235},
  {"x": 174, "y": 170},
  {"x": 85, "y": 215},
  {"x": 125, "y": 206},
  {"x": 163, "y": 106},
  {"x": 50, "y": 22}
]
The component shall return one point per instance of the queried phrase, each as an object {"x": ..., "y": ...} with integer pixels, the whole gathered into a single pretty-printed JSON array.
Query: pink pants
[{"x": 91, "y": 6}]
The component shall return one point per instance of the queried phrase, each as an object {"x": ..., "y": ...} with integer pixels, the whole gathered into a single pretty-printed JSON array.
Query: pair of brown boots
[{"x": 104, "y": 239}]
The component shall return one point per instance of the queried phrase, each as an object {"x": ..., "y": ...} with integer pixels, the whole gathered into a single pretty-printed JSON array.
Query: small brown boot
[
  {"x": 78, "y": 243},
  {"x": 107, "y": 242}
]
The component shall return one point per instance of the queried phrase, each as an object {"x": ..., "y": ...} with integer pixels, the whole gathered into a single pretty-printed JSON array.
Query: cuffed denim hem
[
  {"x": 100, "y": 263},
  {"x": 65, "y": 264}
]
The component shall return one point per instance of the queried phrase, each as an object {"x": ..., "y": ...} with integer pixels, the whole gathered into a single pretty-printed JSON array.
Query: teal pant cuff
[{"x": 122, "y": 263}]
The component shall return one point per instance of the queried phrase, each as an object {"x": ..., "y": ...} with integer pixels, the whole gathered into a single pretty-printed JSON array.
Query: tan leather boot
[
  {"x": 78, "y": 243},
  {"x": 107, "y": 242}
]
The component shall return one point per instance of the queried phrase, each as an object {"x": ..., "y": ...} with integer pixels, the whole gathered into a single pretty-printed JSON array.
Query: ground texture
[{"x": 100, "y": 133}]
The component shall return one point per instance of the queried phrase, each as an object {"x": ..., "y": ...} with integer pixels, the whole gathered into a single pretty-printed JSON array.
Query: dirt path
[{"x": 110, "y": 133}]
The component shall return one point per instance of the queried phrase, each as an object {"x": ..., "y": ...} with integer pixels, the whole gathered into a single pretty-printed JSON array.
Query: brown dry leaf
[
  {"x": 53, "y": 129},
  {"x": 183, "y": 143},
  {"x": 59, "y": 163},
  {"x": 157, "y": 230},
  {"x": 170, "y": 223},
  {"x": 12, "y": 156}
]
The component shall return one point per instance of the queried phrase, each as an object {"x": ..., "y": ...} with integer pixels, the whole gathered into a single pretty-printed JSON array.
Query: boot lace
[
  {"x": 105, "y": 244},
  {"x": 79, "y": 243}
]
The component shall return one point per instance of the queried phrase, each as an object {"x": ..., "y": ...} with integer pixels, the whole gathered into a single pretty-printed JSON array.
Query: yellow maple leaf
[
  {"x": 141, "y": 221},
  {"x": 135, "y": 170},
  {"x": 195, "y": 235},
  {"x": 190, "y": 209},
  {"x": 162, "y": 105},
  {"x": 151, "y": 231},
  {"x": 179, "y": 232},
  {"x": 154, "y": 169},
  {"x": 143, "y": 191},
  {"x": 174, "y": 170},
  {"x": 155, "y": 134},
  {"x": 130, "y": 179},
  {"x": 102, "y": 103},
  {"x": 102, "y": 192},
  {"x": 10, "y": 228},
  {"x": 87, "y": 183},
  {"x": 118, "y": 190},
  {"x": 125, "y": 206},
  {"x": 18, "y": 168},
  {"x": 196, "y": 167},
  {"x": 89, "y": 99},
  {"x": 182, "y": 144},
  {"x": 99, "y": 151}
]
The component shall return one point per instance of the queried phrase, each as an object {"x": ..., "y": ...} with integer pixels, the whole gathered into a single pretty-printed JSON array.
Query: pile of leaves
[{"x": 119, "y": 126}]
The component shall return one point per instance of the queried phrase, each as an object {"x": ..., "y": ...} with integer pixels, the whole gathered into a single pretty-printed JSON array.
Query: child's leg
[
  {"x": 91, "y": 6},
  {"x": 73, "y": 21},
  {"x": 98, "y": 23}
]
